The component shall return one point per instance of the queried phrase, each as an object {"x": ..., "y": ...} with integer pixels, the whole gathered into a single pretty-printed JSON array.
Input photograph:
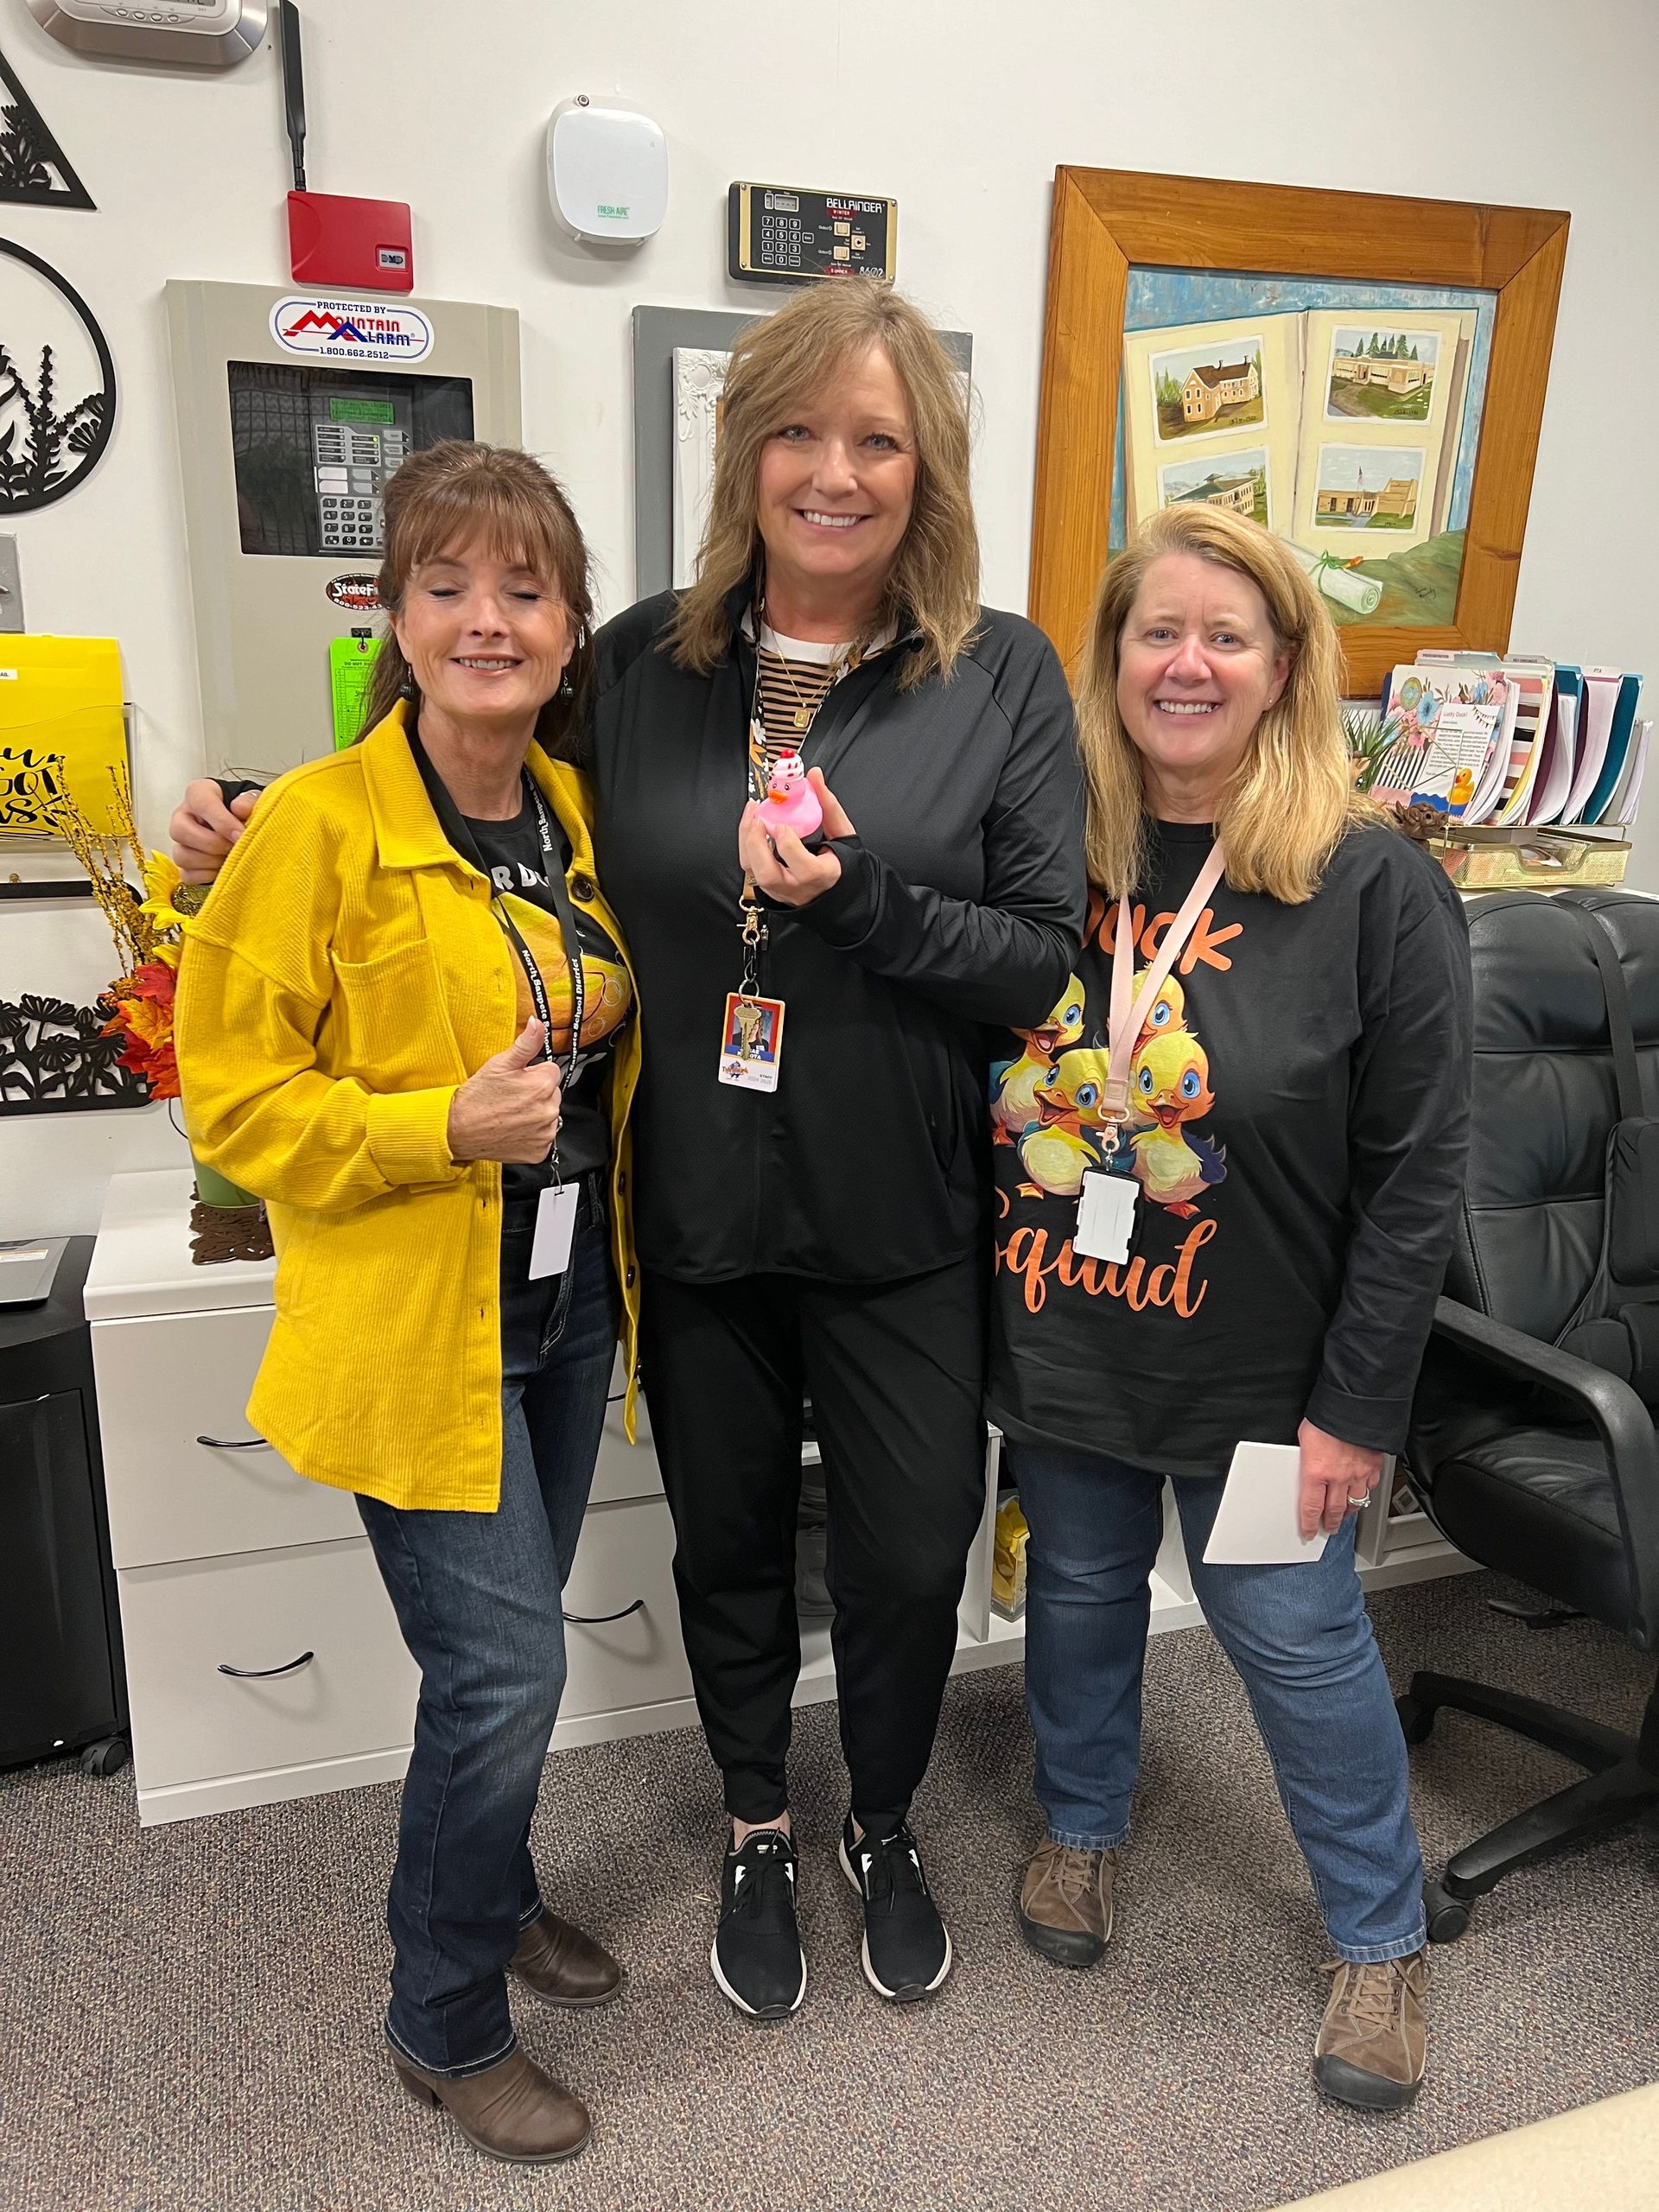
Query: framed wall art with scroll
[{"x": 1364, "y": 375}]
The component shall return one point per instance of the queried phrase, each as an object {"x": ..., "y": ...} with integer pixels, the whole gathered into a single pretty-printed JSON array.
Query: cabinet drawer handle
[
  {"x": 234, "y": 1443},
  {"x": 266, "y": 1673},
  {"x": 599, "y": 1620}
]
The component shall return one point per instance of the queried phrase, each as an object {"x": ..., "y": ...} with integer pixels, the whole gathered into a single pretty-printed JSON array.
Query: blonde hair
[
  {"x": 456, "y": 491},
  {"x": 785, "y": 363},
  {"x": 1292, "y": 801}
]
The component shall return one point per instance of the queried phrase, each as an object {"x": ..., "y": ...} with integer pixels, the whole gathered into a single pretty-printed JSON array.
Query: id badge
[
  {"x": 752, "y": 1045},
  {"x": 1105, "y": 1217},
  {"x": 555, "y": 1230}
]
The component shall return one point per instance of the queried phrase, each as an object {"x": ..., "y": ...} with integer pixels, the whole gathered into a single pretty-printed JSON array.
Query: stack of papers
[{"x": 1514, "y": 741}]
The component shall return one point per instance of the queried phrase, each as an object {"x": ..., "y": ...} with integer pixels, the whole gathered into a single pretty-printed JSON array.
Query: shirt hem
[{"x": 1099, "y": 1443}]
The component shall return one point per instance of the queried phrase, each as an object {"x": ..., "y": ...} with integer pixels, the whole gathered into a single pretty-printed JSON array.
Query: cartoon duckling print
[
  {"x": 1054, "y": 1151},
  {"x": 1169, "y": 1086},
  {"x": 1013, "y": 1110},
  {"x": 1167, "y": 1011}
]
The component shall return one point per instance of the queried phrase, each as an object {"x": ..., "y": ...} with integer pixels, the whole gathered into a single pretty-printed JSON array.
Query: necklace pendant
[{"x": 803, "y": 719}]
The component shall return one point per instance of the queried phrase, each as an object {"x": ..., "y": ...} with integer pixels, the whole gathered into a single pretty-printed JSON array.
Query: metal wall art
[
  {"x": 57, "y": 385},
  {"x": 33, "y": 167},
  {"x": 54, "y": 1058}
]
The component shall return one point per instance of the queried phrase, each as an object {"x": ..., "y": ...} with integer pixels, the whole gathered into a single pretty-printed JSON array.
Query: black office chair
[{"x": 1531, "y": 1459}]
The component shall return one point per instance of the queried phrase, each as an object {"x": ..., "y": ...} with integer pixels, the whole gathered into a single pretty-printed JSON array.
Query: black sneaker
[
  {"x": 906, "y": 1950},
  {"x": 757, "y": 1955}
]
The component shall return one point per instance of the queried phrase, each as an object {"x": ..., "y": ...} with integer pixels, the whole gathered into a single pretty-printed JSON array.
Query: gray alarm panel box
[{"x": 293, "y": 409}]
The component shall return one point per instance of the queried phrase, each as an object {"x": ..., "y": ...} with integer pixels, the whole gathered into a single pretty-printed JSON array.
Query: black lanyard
[{"x": 467, "y": 844}]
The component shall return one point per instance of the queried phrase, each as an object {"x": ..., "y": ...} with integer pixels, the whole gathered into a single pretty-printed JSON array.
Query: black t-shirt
[{"x": 1301, "y": 1097}]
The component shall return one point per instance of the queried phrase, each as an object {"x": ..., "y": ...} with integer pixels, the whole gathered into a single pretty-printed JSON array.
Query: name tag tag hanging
[
  {"x": 555, "y": 1228},
  {"x": 1105, "y": 1217}
]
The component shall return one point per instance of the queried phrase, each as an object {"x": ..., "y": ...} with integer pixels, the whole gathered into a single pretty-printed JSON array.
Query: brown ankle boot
[
  {"x": 1372, "y": 2044},
  {"x": 510, "y": 2111},
  {"x": 1065, "y": 1904},
  {"x": 559, "y": 1964}
]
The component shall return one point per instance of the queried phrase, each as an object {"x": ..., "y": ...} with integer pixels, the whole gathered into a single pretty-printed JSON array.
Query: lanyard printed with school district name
[{"x": 1106, "y": 1207}]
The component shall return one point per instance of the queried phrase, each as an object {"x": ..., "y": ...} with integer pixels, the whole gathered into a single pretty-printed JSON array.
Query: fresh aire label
[{"x": 350, "y": 330}]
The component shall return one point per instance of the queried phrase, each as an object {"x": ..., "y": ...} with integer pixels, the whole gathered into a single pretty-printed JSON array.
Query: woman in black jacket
[{"x": 811, "y": 1172}]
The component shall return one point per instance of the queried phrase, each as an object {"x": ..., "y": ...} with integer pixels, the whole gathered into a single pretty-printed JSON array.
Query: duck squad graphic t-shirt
[{"x": 1298, "y": 1094}]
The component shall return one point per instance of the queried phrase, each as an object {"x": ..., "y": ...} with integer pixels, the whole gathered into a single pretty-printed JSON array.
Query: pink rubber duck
[{"x": 791, "y": 803}]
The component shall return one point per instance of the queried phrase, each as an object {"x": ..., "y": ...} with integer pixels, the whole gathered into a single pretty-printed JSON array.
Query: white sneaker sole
[
  {"x": 755, "y": 2011},
  {"x": 892, "y": 1996}
]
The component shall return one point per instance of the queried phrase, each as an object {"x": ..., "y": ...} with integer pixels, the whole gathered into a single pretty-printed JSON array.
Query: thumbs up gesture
[{"x": 510, "y": 1110}]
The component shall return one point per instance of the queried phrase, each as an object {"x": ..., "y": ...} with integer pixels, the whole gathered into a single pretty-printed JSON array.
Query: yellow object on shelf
[
  {"x": 63, "y": 733},
  {"x": 1009, "y": 1560}
]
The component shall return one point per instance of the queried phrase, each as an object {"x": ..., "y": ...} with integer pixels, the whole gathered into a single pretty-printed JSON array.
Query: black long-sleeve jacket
[{"x": 961, "y": 903}]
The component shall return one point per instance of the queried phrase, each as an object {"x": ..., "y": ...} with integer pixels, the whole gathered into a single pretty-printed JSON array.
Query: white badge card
[
  {"x": 1258, "y": 1524},
  {"x": 555, "y": 1230},
  {"x": 1105, "y": 1217},
  {"x": 752, "y": 1043}
]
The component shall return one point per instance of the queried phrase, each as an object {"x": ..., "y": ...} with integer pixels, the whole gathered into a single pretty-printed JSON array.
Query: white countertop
[{"x": 143, "y": 1263}]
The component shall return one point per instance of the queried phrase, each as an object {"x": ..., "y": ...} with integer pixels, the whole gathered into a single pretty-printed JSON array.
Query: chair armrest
[{"x": 1623, "y": 1422}]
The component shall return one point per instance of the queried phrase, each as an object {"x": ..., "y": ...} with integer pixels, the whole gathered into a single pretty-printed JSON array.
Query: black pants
[{"x": 895, "y": 1373}]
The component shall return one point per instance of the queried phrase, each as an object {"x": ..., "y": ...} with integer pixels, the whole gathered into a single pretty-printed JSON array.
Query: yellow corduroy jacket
[{"x": 344, "y": 978}]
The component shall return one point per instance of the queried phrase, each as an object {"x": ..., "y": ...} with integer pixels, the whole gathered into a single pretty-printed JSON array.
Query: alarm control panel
[{"x": 785, "y": 234}]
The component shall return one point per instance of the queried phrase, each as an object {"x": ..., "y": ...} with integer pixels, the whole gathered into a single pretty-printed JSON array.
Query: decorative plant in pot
[{"x": 226, "y": 1222}]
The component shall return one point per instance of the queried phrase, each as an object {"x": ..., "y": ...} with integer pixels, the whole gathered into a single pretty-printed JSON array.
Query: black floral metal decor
[
  {"x": 59, "y": 445},
  {"x": 32, "y": 163},
  {"x": 53, "y": 1060}
]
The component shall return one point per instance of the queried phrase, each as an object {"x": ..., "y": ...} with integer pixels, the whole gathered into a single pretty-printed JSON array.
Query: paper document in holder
[
  {"x": 63, "y": 731},
  {"x": 1257, "y": 1524}
]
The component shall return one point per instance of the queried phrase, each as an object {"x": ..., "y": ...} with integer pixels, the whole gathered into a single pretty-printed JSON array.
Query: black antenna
[{"x": 294, "y": 87}]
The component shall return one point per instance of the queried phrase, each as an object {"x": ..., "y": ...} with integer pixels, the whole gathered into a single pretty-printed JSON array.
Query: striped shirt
[{"x": 793, "y": 678}]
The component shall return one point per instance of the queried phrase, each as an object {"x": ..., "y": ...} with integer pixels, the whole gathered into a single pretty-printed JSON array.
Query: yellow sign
[{"x": 63, "y": 732}]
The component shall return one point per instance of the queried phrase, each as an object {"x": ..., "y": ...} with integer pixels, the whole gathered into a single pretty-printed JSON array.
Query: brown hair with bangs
[
  {"x": 446, "y": 497},
  {"x": 1292, "y": 800},
  {"x": 783, "y": 364}
]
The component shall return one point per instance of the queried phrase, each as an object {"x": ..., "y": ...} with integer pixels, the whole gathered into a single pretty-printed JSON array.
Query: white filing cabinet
[{"x": 263, "y": 1660}]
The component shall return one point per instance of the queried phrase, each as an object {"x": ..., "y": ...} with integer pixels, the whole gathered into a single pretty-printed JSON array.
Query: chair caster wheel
[
  {"x": 1447, "y": 1917},
  {"x": 1416, "y": 1720},
  {"x": 105, "y": 1758}
]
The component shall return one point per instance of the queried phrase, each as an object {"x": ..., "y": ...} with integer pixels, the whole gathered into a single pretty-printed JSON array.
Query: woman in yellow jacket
[{"x": 405, "y": 1020}]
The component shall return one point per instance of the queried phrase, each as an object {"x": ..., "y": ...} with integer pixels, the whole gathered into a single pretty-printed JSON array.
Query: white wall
[{"x": 960, "y": 108}]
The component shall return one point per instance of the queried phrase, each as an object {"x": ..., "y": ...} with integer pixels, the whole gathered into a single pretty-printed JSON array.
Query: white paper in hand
[{"x": 1257, "y": 1524}]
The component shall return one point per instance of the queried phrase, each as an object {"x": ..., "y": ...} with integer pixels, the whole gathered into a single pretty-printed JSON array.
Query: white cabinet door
[
  {"x": 625, "y": 1554},
  {"x": 260, "y": 1613},
  {"x": 187, "y": 1477}
]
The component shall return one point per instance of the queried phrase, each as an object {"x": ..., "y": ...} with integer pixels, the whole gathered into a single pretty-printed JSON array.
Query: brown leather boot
[
  {"x": 559, "y": 1964},
  {"x": 1065, "y": 1904},
  {"x": 1372, "y": 2044},
  {"x": 511, "y": 2111}
]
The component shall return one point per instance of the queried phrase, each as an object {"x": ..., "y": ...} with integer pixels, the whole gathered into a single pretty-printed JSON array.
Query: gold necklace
[{"x": 803, "y": 714}]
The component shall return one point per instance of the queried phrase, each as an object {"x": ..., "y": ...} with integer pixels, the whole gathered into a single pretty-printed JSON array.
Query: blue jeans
[
  {"x": 478, "y": 1597},
  {"x": 1301, "y": 1641}
]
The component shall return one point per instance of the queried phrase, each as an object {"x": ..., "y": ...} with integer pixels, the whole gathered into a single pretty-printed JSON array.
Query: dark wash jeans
[{"x": 478, "y": 1597}]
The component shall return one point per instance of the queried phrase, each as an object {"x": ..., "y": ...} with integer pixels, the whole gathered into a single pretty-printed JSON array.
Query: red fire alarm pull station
[{"x": 365, "y": 245}]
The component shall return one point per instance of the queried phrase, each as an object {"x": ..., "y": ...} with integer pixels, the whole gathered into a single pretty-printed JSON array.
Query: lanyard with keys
[{"x": 1106, "y": 1207}]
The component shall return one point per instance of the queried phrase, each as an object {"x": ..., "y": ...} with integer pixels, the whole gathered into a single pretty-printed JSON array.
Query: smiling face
[
  {"x": 1198, "y": 664},
  {"x": 833, "y": 493},
  {"x": 1169, "y": 1081},
  {"x": 487, "y": 639}
]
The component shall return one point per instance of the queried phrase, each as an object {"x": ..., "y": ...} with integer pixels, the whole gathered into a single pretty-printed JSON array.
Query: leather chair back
[{"x": 1544, "y": 1097}]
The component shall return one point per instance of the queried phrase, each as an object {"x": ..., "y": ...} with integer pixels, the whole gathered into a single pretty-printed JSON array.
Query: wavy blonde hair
[
  {"x": 782, "y": 365},
  {"x": 1293, "y": 800}
]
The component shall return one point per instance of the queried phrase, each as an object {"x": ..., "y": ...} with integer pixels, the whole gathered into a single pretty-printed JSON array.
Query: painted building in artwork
[
  {"x": 1392, "y": 375},
  {"x": 1398, "y": 497},
  {"x": 1206, "y": 391},
  {"x": 1237, "y": 493}
]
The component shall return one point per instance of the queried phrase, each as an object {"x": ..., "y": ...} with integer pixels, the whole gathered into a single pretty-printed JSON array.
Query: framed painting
[{"x": 1362, "y": 374}]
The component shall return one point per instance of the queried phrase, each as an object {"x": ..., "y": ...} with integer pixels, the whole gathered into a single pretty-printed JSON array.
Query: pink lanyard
[{"x": 1123, "y": 1026}]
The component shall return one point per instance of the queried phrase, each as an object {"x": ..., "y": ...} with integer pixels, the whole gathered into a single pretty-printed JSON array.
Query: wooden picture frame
[{"x": 1110, "y": 222}]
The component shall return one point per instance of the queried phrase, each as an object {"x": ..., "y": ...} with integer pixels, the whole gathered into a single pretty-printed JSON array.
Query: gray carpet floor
[{"x": 189, "y": 2017}]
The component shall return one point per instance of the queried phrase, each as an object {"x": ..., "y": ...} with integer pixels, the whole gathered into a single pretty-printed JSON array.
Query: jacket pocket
[{"x": 388, "y": 1021}]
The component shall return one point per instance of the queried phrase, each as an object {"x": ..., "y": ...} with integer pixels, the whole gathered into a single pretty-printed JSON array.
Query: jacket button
[
  {"x": 621, "y": 1183},
  {"x": 581, "y": 886},
  {"x": 629, "y": 1285}
]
